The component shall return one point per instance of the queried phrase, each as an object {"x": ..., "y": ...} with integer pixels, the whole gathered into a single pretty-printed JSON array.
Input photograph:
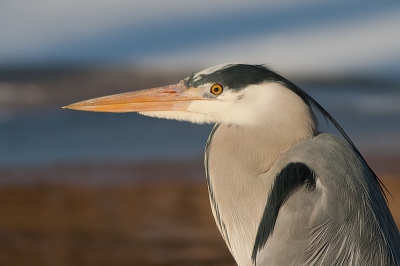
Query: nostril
[{"x": 169, "y": 91}]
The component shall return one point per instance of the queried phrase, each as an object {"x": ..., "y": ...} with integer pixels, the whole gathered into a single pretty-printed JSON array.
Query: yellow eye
[{"x": 216, "y": 89}]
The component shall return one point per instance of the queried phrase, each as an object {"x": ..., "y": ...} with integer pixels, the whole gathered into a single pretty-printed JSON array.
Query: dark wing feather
[{"x": 289, "y": 179}]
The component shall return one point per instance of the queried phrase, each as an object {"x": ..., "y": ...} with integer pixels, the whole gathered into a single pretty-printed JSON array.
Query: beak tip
[{"x": 73, "y": 106}]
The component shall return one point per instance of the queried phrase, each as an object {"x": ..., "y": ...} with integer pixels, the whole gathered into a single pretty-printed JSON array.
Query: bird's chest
[{"x": 237, "y": 192}]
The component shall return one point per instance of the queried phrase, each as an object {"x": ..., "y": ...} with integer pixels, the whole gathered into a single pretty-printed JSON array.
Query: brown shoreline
[
  {"x": 147, "y": 224},
  {"x": 159, "y": 219}
]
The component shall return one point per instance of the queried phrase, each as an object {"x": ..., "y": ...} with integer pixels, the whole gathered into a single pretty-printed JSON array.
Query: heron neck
[
  {"x": 236, "y": 157},
  {"x": 257, "y": 148}
]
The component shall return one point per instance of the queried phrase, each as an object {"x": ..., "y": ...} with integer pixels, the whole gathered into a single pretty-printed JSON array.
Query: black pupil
[{"x": 216, "y": 89}]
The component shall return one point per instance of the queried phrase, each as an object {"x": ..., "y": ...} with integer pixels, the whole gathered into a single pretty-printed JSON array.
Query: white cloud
[
  {"x": 357, "y": 45},
  {"x": 27, "y": 26},
  {"x": 364, "y": 42}
]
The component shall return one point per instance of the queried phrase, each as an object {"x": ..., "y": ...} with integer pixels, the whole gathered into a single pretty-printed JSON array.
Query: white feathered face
[{"x": 231, "y": 93}]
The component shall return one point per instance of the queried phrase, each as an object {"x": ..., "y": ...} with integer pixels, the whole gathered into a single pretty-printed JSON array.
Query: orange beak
[{"x": 169, "y": 98}]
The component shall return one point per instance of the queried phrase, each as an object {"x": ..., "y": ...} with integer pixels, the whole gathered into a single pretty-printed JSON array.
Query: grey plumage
[
  {"x": 281, "y": 192},
  {"x": 344, "y": 220}
]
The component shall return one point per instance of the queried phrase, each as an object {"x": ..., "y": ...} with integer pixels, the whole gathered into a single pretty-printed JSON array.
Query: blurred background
[{"x": 82, "y": 188}]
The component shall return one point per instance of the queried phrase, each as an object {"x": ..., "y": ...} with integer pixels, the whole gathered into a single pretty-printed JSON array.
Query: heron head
[{"x": 239, "y": 94}]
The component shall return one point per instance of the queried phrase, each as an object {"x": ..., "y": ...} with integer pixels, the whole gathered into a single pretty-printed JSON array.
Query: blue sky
[{"x": 295, "y": 37}]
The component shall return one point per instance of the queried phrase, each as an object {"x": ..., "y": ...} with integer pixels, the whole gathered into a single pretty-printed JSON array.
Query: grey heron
[{"x": 281, "y": 192}]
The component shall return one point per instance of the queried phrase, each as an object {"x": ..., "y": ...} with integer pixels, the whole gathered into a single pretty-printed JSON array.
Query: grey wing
[{"x": 325, "y": 208}]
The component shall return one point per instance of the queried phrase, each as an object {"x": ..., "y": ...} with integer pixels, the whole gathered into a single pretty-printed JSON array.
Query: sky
[{"x": 293, "y": 37}]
